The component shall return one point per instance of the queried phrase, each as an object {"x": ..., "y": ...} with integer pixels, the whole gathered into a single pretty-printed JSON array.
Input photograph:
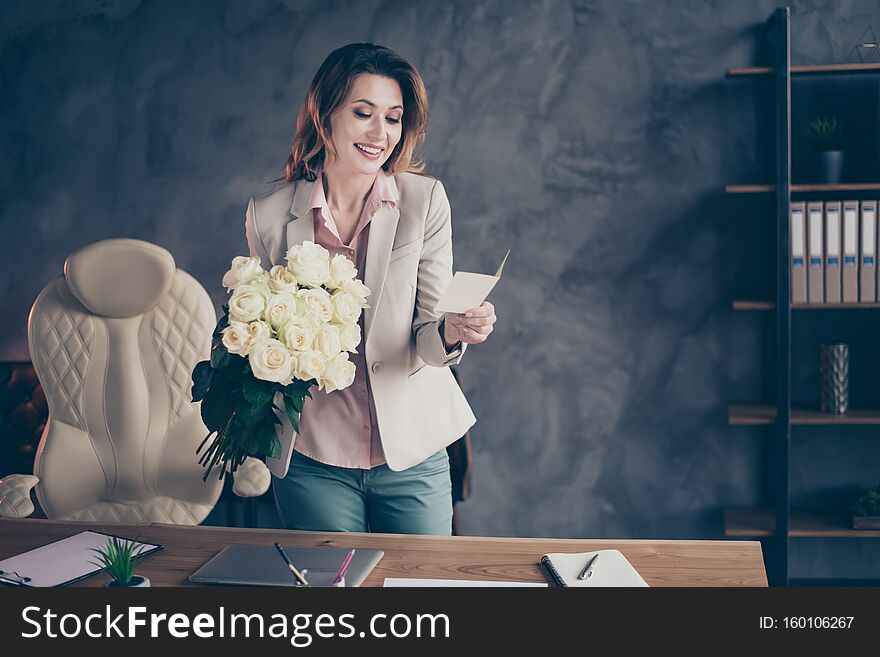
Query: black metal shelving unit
[{"x": 776, "y": 525}]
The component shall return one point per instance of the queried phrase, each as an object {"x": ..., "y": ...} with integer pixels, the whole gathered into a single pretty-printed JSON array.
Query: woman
[{"x": 372, "y": 457}]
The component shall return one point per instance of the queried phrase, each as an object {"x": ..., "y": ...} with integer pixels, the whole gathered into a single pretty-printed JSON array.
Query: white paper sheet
[
  {"x": 406, "y": 582},
  {"x": 62, "y": 561}
]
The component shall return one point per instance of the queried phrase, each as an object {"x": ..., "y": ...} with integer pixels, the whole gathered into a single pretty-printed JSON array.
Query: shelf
[
  {"x": 845, "y": 187},
  {"x": 746, "y": 304},
  {"x": 802, "y": 414},
  {"x": 761, "y": 521},
  {"x": 816, "y": 69}
]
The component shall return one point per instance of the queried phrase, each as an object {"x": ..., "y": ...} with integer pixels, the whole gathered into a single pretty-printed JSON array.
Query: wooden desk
[{"x": 660, "y": 563}]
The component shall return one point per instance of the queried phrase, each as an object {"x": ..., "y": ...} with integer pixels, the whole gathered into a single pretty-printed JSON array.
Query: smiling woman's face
[{"x": 367, "y": 126}]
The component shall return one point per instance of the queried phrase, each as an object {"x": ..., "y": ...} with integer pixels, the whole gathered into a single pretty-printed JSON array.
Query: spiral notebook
[{"x": 610, "y": 569}]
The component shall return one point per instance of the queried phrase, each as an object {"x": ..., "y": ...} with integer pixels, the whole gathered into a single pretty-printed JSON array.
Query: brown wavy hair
[{"x": 328, "y": 90}]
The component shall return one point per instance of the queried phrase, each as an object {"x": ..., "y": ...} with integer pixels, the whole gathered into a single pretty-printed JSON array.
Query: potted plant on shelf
[
  {"x": 826, "y": 138},
  {"x": 866, "y": 510},
  {"x": 118, "y": 558}
]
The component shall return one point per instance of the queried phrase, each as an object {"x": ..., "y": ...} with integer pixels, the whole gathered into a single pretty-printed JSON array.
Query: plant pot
[
  {"x": 135, "y": 581},
  {"x": 828, "y": 167}
]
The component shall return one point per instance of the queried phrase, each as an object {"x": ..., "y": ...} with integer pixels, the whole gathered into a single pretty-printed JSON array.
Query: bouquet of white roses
[{"x": 282, "y": 331}]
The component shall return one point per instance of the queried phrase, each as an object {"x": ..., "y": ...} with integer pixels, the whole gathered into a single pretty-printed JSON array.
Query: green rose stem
[{"x": 218, "y": 449}]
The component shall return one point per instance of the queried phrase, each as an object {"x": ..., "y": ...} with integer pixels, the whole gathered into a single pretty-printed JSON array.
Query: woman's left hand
[{"x": 471, "y": 327}]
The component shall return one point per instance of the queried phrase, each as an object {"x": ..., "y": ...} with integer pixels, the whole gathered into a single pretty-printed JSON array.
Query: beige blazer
[{"x": 419, "y": 407}]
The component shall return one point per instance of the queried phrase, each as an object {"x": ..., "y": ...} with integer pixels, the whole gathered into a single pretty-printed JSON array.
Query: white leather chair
[{"x": 114, "y": 342}]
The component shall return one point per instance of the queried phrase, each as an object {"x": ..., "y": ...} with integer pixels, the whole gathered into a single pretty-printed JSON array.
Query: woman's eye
[
  {"x": 394, "y": 121},
  {"x": 361, "y": 115}
]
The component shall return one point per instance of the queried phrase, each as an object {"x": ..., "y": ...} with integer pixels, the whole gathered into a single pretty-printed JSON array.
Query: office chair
[{"x": 114, "y": 342}]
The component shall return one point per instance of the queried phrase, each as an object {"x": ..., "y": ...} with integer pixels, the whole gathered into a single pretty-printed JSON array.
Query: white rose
[
  {"x": 319, "y": 302},
  {"x": 338, "y": 374},
  {"x": 259, "y": 331},
  {"x": 349, "y": 337},
  {"x": 244, "y": 270},
  {"x": 310, "y": 365},
  {"x": 358, "y": 289},
  {"x": 271, "y": 361},
  {"x": 310, "y": 263},
  {"x": 346, "y": 307},
  {"x": 327, "y": 341},
  {"x": 341, "y": 269},
  {"x": 282, "y": 308},
  {"x": 297, "y": 335},
  {"x": 248, "y": 302},
  {"x": 237, "y": 338},
  {"x": 281, "y": 279}
]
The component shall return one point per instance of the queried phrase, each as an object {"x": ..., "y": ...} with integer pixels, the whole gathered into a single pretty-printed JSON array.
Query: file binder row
[{"x": 833, "y": 252}]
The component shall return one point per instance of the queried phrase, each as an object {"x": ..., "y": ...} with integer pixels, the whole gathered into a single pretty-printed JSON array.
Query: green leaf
[
  {"x": 217, "y": 408},
  {"x": 250, "y": 414},
  {"x": 257, "y": 391},
  {"x": 297, "y": 402},
  {"x": 299, "y": 388},
  {"x": 220, "y": 357},
  {"x": 222, "y": 324},
  {"x": 202, "y": 375},
  {"x": 224, "y": 383},
  {"x": 237, "y": 367},
  {"x": 267, "y": 438},
  {"x": 292, "y": 413}
]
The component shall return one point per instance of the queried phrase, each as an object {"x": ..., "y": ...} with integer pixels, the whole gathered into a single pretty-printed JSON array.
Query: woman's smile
[{"x": 368, "y": 151}]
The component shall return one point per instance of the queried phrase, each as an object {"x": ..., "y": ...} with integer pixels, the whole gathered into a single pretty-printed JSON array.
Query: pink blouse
[{"x": 340, "y": 428}]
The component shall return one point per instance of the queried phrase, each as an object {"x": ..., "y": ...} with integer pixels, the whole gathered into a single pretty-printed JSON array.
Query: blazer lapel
[
  {"x": 302, "y": 227},
  {"x": 383, "y": 228}
]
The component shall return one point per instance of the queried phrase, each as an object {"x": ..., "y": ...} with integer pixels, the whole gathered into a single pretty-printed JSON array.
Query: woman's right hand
[{"x": 471, "y": 327}]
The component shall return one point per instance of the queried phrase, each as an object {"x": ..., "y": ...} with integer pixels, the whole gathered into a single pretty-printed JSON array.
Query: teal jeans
[{"x": 320, "y": 497}]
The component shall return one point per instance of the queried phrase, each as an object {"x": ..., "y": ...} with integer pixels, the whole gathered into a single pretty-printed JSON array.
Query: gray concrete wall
[{"x": 591, "y": 137}]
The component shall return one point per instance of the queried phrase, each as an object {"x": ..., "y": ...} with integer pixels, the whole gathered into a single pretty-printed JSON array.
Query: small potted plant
[
  {"x": 118, "y": 558},
  {"x": 866, "y": 510},
  {"x": 826, "y": 138}
]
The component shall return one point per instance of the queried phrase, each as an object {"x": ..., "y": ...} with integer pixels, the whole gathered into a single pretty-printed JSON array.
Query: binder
[
  {"x": 798, "y": 253},
  {"x": 850, "y": 252},
  {"x": 867, "y": 270},
  {"x": 815, "y": 254},
  {"x": 832, "y": 253},
  {"x": 610, "y": 569},
  {"x": 62, "y": 562}
]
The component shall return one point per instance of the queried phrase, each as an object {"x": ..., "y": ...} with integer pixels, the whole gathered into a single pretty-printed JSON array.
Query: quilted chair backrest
[{"x": 114, "y": 342}]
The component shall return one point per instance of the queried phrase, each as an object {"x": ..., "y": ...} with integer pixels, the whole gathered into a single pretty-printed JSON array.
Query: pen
[
  {"x": 293, "y": 569},
  {"x": 587, "y": 572},
  {"x": 13, "y": 577},
  {"x": 341, "y": 573}
]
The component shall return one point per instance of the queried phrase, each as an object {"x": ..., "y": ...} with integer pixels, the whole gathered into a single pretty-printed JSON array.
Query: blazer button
[{"x": 377, "y": 367}]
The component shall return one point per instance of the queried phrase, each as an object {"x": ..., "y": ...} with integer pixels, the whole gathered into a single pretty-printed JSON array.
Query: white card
[{"x": 468, "y": 290}]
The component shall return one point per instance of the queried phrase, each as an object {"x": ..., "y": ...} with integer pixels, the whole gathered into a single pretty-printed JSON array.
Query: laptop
[{"x": 262, "y": 565}]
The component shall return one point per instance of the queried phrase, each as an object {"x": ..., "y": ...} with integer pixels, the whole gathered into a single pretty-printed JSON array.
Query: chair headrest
[{"x": 119, "y": 277}]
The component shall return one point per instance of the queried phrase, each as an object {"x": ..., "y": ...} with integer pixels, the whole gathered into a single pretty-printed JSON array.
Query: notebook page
[{"x": 610, "y": 569}]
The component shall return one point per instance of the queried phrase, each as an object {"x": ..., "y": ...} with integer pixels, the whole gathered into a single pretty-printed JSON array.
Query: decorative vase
[
  {"x": 834, "y": 378},
  {"x": 829, "y": 167},
  {"x": 135, "y": 581}
]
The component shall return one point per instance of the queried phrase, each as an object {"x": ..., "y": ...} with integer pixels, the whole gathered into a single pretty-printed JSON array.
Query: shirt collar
[{"x": 384, "y": 189}]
